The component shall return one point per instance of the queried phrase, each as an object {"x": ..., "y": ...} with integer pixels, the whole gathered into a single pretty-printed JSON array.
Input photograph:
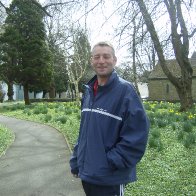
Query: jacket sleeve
[
  {"x": 133, "y": 134},
  {"x": 73, "y": 160}
]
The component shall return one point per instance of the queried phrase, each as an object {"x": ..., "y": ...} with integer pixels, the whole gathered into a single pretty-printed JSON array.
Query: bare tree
[
  {"x": 133, "y": 35},
  {"x": 78, "y": 56},
  {"x": 57, "y": 28},
  {"x": 168, "y": 42},
  {"x": 180, "y": 43},
  {"x": 134, "y": 56}
]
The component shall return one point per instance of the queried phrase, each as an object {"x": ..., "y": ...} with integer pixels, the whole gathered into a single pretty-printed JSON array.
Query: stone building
[{"x": 160, "y": 88}]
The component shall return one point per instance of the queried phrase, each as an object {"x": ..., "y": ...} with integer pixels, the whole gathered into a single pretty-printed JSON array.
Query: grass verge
[{"x": 6, "y": 138}]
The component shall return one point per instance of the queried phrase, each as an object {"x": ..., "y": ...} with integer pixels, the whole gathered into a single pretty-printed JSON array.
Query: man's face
[{"x": 103, "y": 61}]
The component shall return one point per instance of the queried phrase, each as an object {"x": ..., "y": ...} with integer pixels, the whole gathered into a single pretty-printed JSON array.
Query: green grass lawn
[{"x": 169, "y": 165}]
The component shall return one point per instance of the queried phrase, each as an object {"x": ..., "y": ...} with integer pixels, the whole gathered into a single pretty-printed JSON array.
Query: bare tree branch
[
  {"x": 6, "y": 8},
  {"x": 192, "y": 34},
  {"x": 89, "y": 11},
  {"x": 42, "y": 8},
  {"x": 54, "y": 4}
]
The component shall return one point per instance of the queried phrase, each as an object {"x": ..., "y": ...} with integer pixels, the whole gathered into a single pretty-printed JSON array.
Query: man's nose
[{"x": 101, "y": 59}]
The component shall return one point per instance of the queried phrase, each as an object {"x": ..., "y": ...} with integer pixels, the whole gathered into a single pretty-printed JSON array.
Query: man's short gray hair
[{"x": 104, "y": 43}]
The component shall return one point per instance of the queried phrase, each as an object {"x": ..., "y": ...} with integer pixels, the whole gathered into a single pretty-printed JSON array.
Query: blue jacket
[{"x": 113, "y": 134}]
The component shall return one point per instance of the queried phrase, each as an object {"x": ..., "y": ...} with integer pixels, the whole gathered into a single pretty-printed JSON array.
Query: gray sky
[{"x": 100, "y": 30}]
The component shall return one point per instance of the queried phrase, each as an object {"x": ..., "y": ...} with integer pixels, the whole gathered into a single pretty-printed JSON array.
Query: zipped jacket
[{"x": 113, "y": 133}]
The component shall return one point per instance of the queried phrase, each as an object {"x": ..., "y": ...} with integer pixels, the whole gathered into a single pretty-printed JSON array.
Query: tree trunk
[
  {"x": 52, "y": 92},
  {"x": 44, "y": 93},
  {"x": 185, "y": 94},
  {"x": 72, "y": 92},
  {"x": 10, "y": 92},
  {"x": 77, "y": 91},
  {"x": 26, "y": 94},
  {"x": 134, "y": 57}
]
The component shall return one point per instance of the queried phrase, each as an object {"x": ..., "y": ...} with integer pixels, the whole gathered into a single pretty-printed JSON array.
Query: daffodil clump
[{"x": 163, "y": 115}]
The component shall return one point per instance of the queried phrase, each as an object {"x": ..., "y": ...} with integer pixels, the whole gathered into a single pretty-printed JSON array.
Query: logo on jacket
[{"x": 100, "y": 109}]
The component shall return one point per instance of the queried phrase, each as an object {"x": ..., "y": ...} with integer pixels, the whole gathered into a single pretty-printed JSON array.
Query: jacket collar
[{"x": 109, "y": 84}]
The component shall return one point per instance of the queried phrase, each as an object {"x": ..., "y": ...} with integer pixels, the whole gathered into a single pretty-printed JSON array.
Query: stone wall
[{"x": 162, "y": 89}]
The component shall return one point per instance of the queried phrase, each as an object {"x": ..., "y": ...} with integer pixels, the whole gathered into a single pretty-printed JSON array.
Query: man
[{"x": 113, "y": 129}]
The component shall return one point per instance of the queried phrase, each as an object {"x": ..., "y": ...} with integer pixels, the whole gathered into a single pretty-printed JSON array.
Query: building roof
[{"x": 173, "y": 67}]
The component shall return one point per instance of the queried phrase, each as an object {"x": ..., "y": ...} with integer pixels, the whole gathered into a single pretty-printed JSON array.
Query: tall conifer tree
[{"x": 25, "y": 49}]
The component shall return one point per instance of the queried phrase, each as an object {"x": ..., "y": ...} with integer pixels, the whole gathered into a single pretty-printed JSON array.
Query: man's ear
[{"x": 115, "y": 60}]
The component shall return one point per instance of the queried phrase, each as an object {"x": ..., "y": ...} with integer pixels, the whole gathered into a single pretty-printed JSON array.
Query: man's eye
[
  {"x": 106, "y": 56},
  {"x": 96, "y": 57}
]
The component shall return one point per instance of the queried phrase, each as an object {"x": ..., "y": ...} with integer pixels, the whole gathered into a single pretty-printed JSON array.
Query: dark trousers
[{"x": 101, "y": 190}]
